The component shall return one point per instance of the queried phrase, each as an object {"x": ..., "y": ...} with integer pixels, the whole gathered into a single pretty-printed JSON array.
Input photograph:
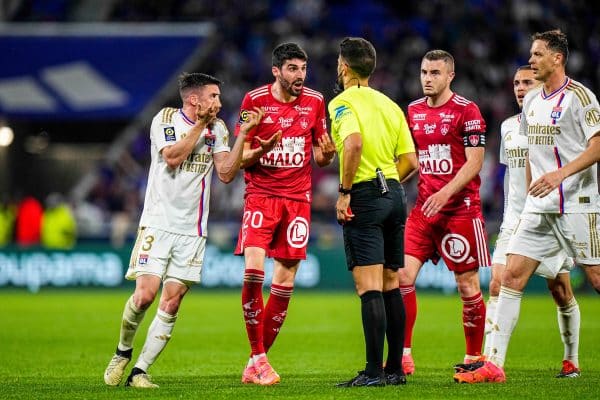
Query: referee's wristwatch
[{"x": 344, "y": 191}]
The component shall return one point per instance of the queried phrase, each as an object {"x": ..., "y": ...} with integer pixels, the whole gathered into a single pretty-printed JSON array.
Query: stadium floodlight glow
[{"x": 6, "y": 136}]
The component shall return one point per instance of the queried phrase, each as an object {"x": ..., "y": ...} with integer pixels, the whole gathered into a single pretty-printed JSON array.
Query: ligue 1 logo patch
[
  {"x": 143, "y": 259},
  {"x": 170, "y": 134},
  {"x": 243, "y": 116}
]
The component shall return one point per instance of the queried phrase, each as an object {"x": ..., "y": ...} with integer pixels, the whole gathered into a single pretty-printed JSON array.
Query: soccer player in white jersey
[
  {"x": 186, "y": 145},
  {"x": 561, "y": 120},
  {"x": 513, "y": 154}
]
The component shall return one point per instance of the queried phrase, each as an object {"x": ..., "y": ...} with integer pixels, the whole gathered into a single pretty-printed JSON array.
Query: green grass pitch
[{"x": 55, "y": 345}]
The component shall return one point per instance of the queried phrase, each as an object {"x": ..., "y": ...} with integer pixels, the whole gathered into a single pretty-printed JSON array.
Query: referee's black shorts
[{"x": 376, "y": 233}]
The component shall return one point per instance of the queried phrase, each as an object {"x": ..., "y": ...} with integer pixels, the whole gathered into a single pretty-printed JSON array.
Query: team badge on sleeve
[
  {"x": 170, "y": 134},
  {"x": 474, "y": 140},
  {"x": 592, "y": 117},
  {"x": 341, "y": 111},
  {"x": 143, "y": 259}
]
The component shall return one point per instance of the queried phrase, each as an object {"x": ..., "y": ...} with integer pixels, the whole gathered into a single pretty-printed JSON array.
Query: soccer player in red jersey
[
  {"x": 276, "y": 217},
  {"x": 447, "y": 221}
]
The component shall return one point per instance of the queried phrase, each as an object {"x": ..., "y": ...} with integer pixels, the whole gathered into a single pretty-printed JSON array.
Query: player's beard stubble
[{"x": 290, "y": 87}]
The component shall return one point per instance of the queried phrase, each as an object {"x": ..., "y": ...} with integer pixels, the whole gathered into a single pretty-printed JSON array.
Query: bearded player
[{"x": 276, "y": 217}]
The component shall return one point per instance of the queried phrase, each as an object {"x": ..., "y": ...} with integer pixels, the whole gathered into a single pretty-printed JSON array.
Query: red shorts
[
  {"x": 460, "y": 241},
  {"x": 278, "y": 225}
]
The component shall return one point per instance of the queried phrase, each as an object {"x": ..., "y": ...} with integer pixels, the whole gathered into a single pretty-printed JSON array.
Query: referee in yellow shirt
[{"x": 376, "y": 152}]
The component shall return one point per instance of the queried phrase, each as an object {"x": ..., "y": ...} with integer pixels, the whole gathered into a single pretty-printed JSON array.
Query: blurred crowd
[{"x": 488, "y": 38}]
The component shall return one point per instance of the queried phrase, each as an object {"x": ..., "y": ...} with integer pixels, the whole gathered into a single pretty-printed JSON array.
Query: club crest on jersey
[
  {"x": 244, "y": 115},
  {"x": 169, "y": 134},
  {"x": 556, "y": 112},
  {"x": 474, "y": 140},
  {"x": 209, "y": 140},
  {"x": 143, "y": 259},
  {"x": 444, "y": 129},
  {"x": 303, "y": 123}
]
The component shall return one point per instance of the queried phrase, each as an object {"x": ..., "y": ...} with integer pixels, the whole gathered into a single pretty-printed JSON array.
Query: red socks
[
  {"x": 409, "y": 296},
  {"x": 275, "y": 313},
  {"x": 253, "y": 308},
  {"x": 473, "y": 318},
  {"x": 473, "y": 323}
]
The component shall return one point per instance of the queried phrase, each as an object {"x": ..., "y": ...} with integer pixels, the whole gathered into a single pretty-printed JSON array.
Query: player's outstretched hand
[
  {"x": 546, "y": 183},
  {"x": 327, "y": 146},
  {"x": 269, "y": 143},
  {"x": 253, "y": 119}
]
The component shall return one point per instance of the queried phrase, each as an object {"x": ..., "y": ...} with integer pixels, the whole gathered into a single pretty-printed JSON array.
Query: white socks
[
  {"x": 132, "y": 317},
  {"x": 158, "y": 336},
  {"x": 507, "y": 314},
  {"x": 490, "y": 314},
  {"x": 569, "y": 320}
]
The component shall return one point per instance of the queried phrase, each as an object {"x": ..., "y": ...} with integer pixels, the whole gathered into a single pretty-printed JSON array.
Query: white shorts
[
  {"x": 167, "y": 255},
  {"x": 549, "y": 266},
  {"x": 544, "y": 235}
]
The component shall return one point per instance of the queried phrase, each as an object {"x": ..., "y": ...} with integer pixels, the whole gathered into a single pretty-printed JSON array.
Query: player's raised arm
[{"x": 227, "y": 164}]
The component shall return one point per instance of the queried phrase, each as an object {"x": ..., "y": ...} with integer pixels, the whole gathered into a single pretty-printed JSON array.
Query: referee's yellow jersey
[{"x": 382, "y": 125}]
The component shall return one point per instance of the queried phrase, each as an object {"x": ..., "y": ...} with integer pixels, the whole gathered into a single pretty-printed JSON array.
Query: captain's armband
[{"x": 476, "y": 139}]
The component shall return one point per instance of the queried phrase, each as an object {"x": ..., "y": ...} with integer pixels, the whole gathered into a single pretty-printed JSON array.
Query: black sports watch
[{"x": 344, "y": 191}]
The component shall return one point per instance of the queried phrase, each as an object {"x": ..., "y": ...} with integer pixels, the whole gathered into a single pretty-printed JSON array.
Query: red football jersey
[
  {"x": 285, "y": 171},
  {"x": 441, "y": 135}
]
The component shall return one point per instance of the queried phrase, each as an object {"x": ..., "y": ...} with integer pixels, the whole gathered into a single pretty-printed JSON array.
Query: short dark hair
[
  {"x": 435, "y": 55},
  {"x": 524, "y": 67},
  {"x": 556, "y": 41},
  {"x": 194, "y": 80},
  {"x": 360, "y": 55},
  {"x": 287, "y": 51}
]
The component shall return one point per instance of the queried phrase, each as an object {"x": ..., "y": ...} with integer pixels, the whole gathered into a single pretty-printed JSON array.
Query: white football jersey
[
  {"x": 513, "y": 154},
  {"x": 177, "y": 200},
  {"x": 558, "y": 126}
]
